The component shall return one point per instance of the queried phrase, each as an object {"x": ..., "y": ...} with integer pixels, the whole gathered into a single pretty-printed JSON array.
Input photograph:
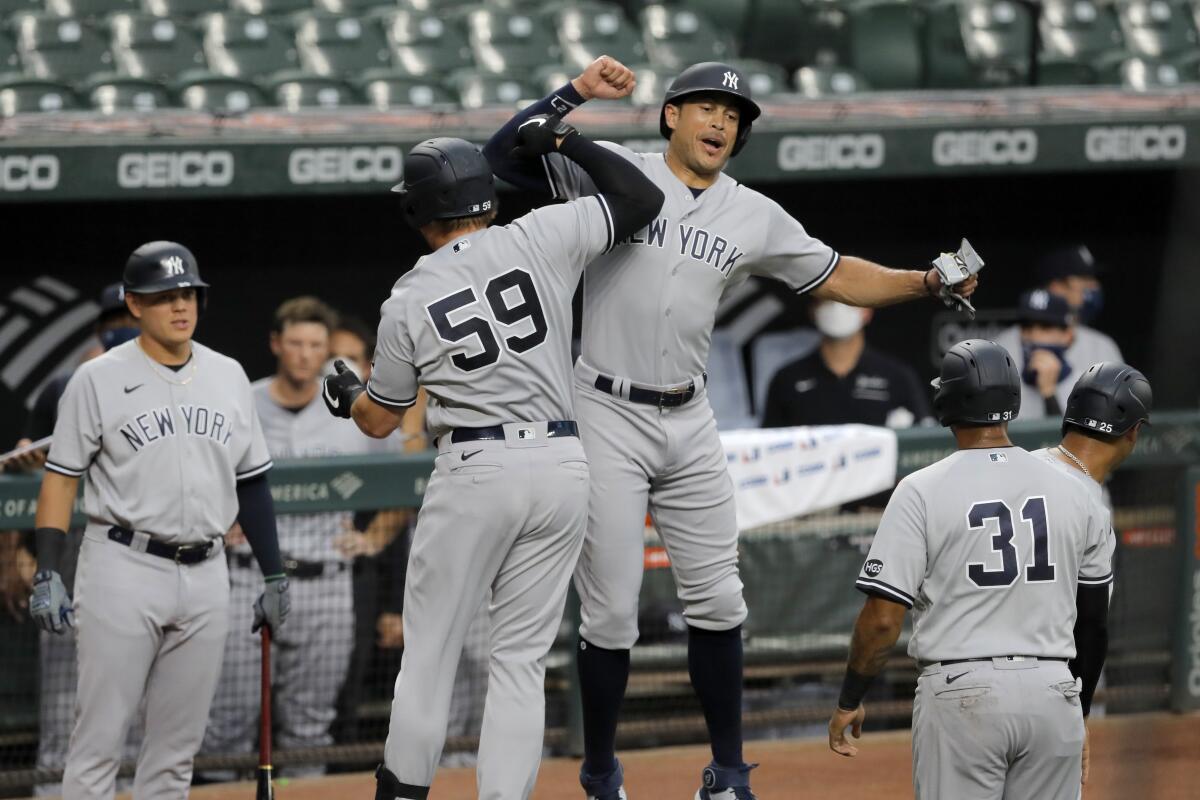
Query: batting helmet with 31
[
  {"x": 445, "y": 178},
  {"x": 1109, "y": 398},
  {"x": 712, "y": 76},
  {"x": 979, "y": 385}
]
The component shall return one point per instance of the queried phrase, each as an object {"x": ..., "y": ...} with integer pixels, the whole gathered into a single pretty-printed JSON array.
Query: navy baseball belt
[
  {"x": 554, "y": 430},
  {"x": 672, "y": 398},
  {"x": 180, "y": 554},
  {"x": 950, "y": 661},
  {"x": 293, "y": 567}
]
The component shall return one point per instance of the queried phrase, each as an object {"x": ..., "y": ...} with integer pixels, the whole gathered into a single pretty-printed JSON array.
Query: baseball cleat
[
  {"x": 609, "y": 786},
  {"x": 726, "y": 783}
]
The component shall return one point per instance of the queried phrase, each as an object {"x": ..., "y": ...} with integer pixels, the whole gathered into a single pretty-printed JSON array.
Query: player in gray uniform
[
  {"x": 311, "y": 654},
  {"x": 990, "y": 546},
  {"x": 163, "y": 431},
  {"x": 648, "y": 311},
  {"x": 484, "y": 325}
]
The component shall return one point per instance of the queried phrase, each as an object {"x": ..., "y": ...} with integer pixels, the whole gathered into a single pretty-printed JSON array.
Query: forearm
[
  {"x": 373, "y": 419},
  {"x": 526, "y": 174},
  {"x": 632, "y": 197},
  {"x": 256, "y": 515},
  {"x": 412, "y": 425},
  {"x": 1091, "y": 641},
  {"x": 862, "y": 283},
  {"x": 56, "y": 500},
  {"x": 875, "y": 633}
]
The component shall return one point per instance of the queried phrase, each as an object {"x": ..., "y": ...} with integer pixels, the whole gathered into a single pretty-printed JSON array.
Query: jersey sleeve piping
[
  {"x": 64, "y": 470},
  {"x": 834, "y": 260},
  {"x": 1083, "y": 579},
  {"x": 388, "y": 401},
  {"x": 608, "y": 221},
  {"x": 253, "y": 471},
  {"x": 877, "y": 587},
  {"x": 554, "y": 193}
]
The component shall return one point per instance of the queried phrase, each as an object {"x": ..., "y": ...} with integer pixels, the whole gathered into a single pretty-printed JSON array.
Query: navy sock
[
  {"x": 715, "y": 666},
  {"x": 602, "y": 678}
]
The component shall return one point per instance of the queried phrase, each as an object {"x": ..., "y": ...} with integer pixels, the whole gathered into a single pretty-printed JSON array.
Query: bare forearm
[
  {"x": 858, "y": 282},
  {"x": 373, "y": 419},
  {"x": 875, "y": 633},
  {"x": 56, "y": 499}
]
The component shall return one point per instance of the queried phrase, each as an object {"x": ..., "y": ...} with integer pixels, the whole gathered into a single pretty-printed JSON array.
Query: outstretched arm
[{"x": 858, "y": 282}]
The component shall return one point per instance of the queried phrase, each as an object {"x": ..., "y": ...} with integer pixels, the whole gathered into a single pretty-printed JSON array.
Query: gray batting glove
[
  {"x": 341, "y": 390},
  {"x": 539, "y": 135},
  {"x": 50, "y": 605},
  {"x": 272, "y": 606}
]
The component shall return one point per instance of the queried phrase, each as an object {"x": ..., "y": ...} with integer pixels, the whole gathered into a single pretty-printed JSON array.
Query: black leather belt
[
  {"x": 672, "y": 398},
  {"x": 989, "y": 658},
  {"x": 180, "y": 554},
  {"x": 554, "y": 430},
  {"x": 294, "y": 568}
]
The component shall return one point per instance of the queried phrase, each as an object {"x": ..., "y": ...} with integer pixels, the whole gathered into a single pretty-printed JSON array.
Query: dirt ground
[{"x": 1140, "y": 756}]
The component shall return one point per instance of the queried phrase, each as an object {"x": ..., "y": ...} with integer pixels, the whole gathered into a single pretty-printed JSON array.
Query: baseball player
[
  {"x": 312, "y": 654},
  {"x": 162, "y": 429},
  {"x": 990, "y": 546},
  {"x": 484, "y": 325},
  {"x": 648, "y": 309}
]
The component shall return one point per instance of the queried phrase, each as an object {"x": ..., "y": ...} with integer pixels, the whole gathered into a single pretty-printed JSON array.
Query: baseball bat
[{"x": 266, "y": 789}]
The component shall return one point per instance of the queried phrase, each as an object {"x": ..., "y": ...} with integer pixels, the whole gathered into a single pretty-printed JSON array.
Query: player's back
[{"x": 1008, "y": 537}]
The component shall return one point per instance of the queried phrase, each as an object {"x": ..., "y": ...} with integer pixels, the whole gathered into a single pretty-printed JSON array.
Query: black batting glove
[
  {"x": 539, "y": 135},
  {"x": 341, "y": 390}
]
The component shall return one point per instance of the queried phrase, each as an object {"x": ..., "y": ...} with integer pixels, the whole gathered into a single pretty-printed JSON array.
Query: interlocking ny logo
[
  {"x": 173, "y": 265},
  {"x": 731, "y": 80}
]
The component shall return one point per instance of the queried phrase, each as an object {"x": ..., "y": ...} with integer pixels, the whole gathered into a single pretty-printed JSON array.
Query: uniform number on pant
[
  {"x": 515, "y": 286},
  {"x": 1034, "y": 512}
]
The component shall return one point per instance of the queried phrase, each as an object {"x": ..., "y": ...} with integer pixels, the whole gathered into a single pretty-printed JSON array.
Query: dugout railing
[{"x": 799, "y": 578}]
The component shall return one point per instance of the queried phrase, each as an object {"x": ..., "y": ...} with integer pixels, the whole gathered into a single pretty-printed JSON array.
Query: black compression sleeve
[
  {"x": 256, "y": 513},
  {"x": 1091, "y": 640},
  {"x": 48, "y": 543},
  {"x": 632, "y": 197},
  {"x": 528, "y": 174}
]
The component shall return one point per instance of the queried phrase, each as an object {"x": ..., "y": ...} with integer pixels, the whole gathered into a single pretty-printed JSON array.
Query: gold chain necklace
[
  {"x": 156, "y": 368},
  {"x": 1074, "y": 458}
]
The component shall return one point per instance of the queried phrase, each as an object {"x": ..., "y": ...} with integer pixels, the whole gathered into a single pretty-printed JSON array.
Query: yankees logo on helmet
[{"x": 730, "y": 79}]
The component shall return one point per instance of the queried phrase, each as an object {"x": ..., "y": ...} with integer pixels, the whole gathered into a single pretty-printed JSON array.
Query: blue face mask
[
  {"x": 115, "y": 336},
  {"x": 1093, "y": 304},
  {"x": 1029, "y": 376}
]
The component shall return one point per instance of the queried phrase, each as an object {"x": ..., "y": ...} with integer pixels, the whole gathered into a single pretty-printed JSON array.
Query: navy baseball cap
[
  {"x": 1063, "y": 262},
  {"x": 112, "y": 299},
  {"x": 1046, "y": 308}
]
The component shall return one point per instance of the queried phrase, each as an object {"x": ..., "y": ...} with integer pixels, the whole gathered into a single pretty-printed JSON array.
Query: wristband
[
  {"x": 48, "y": 543},
  {"x": 925, "y": 283},
  {"x": 854, "y": 688}
]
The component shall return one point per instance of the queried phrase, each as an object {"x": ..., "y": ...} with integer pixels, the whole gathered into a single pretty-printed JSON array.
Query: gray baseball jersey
[
  {"x": 669, "y": 277},
  {"x": 987, "y": 547},
  {"x": 1090, "y": 347},
  {"x": 484, "y": 324},
  {"x": 125, "y": 421}
]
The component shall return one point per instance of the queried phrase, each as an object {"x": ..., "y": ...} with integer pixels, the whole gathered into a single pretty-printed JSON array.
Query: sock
[
  {"x": 715, "y": 666},
  {"x": 602, "y": 678}
]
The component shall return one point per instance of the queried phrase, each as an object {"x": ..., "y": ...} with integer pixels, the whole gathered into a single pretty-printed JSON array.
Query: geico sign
[
  {"x": 28, "y": 173},
  {"x": 1136, "y": 143},
  {"x": 345, "y": 165},
  {"x": 971, "y": 148},
  {"x": 843, "y": 151},
  {"x": 187, "y": 169}
]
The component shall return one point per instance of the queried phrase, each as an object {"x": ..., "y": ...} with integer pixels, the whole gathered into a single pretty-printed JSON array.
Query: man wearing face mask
[
  {"x": 1048, "y": 370},
  {"x": 844, "y": 380},
  {"x": 1070, "y": 273}
]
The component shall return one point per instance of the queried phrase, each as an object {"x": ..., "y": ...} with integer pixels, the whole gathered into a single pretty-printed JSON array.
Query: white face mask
[{"x": 837, "y": 320}]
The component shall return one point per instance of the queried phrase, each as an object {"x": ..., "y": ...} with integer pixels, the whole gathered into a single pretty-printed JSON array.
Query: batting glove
[
  {"x": 50, "y": 605},
  {"x": 539, "y": 135},
  {"x": 272, "y": 607},
  {"x": 953, "y": 269},
  {"x": 341, "y": 390}
]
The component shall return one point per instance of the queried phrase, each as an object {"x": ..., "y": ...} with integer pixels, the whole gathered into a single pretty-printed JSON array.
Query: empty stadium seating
[
  {"x": 885, "y": 44},
  {"x": 384, "y": 92},
  {"x": 88, "y": 9},
  {"x": 116, "y": 93},
  {"x": 311, "y": 91},
  {"x": 1080, "y": 43},
  {"x": 587, "y": 32},
  {"x": 9, "y": 62},
  {"x": 54, "y": 48},
  {"x": 22, "y": 94},
  {"x": 676, "y": 36},
  {"x": 219, "y": 94},
  {"x": 998, "y": 37},
  {"x": 826, "y": 81},
  {"x": 242, "y": 46},
  {"x": 334, "y": 45},
  {"x": 477, "y": 89},
  {"x": 145, "y": 46},
  {"x": 509, "y": 43},
  {"x": 182, "y": 9},
  {"x": 424, "y": 44}
]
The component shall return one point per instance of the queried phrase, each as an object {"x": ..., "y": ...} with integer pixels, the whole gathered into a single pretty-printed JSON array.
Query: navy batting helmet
[
  {"x": 712, "y": 76},
  {"x": 1109, "y": 398},
  {"x": 445, "y": 178},
  {"x": 160, "y": 266},
  {"x": 979, "y": 385}
]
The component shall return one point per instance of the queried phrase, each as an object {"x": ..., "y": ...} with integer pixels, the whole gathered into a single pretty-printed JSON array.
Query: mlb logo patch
[
  {"x": 1091, "y": 423},
  {"x": 998, "y": 458},
  {"x": 461, "y": 246},
  {"x": 993, "y": 416},
  {"x": 526, "y": 433}
]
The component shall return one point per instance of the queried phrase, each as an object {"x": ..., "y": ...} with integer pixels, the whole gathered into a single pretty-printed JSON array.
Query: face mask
[
  {"x": 837, "y": 321},
  {"x": 115, "y": 336},
  {"x": 1093, "y": 304},
  {"x": 1029, "y": 376}
]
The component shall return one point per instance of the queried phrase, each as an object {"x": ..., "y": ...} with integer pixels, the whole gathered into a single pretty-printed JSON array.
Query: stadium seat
[
  {"x": 1158, "y": 29},
  {"x": 676, "y": 37},
  {"x": 885, "y": 44},
  {"x": 782, "y": 32},
  {"x": 423, "y": 44},
  {"x": 88, "y": 9},
  {"x": 240, "y": 46},
  {"x": 182, "y": 8},
  {"x": 271, "y": 8},
  {"x": 549, "y": 77},
  {"x": 652, "y": 83},
  {"x": 998, "y": 36},
  {"x": 332, "y": 46},
  {"x": 509, "y": 43},
  {"x": 20, "y": 95},
  {"x": 301, "y": 91},
  {"x": 60, "y": 49},
  {"x": 943, "y": 49},
  {"x": 763, "y": 78},
  {"x": 588, "y": 32},
  {"x": 1141, "y": 74},
  {"x": 817, "y": 82},
  {"x": 1080, "y": 43},
  {"x": 476, "y": 89},
  {"x": 219, "y": 95},
  {"x": 354, "y": 8},
  {"x": 9, "y": 60},
  {"x": 384, "y": 92},
  {"x": 112, "y": 94},
  {"x": 11, "y": 8},
  {"x": 153, "y": 47}
]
